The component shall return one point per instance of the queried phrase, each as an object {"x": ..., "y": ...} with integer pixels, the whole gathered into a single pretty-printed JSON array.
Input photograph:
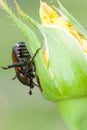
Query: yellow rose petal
[{"x": 47, "y": 14}]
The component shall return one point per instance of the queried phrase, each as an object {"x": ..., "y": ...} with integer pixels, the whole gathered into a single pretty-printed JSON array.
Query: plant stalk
[{"x": 74, "y": 112}]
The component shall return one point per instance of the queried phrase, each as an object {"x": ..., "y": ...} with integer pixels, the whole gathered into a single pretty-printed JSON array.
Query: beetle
[{"x": 24, "y": 65}]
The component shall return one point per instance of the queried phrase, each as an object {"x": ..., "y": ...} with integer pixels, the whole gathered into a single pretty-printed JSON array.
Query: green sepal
[
  {"x": 33, "y": 41},
  {"x": 60, "y": 9},
  {"x": 67, "y": 62}
]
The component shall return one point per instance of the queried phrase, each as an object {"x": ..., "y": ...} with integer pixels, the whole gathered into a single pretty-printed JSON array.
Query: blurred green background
[{"x": 18, "y": 110}]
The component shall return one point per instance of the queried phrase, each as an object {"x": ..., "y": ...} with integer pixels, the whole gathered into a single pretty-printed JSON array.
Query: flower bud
[
  {"x": 61, "y": 64},
  {"x": 64, "y": 56}
]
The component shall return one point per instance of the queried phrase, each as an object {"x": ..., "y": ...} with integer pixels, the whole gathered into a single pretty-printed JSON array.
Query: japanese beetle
[{"x": 24, "y": 65}]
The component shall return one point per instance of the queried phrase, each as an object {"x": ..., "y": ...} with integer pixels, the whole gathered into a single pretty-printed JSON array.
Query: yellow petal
[
  {"x": 50, "y": 17},
  {"x": 45, "y": 56},
  {"x": 47, "y": 14},
  {"x": 84, "y": 45}
]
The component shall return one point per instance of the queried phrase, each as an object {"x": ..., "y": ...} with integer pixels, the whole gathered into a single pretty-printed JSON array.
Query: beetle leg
[
  {"x": 36, "y": 84},
  {"x": 35, "y": 54},
  {"x": 19, "y": 64},
  {"x": 30, "y": 91}
]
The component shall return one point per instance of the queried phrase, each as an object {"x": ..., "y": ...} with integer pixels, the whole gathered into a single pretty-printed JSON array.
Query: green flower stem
[{"x": 74, "y": 112}]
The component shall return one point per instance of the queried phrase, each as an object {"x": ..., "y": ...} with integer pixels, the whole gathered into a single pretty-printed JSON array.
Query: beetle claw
[
  {"x": 14, "y": 77},
  {"x": 5, "y": 68},
  {"x": 30, "y": 92}
]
